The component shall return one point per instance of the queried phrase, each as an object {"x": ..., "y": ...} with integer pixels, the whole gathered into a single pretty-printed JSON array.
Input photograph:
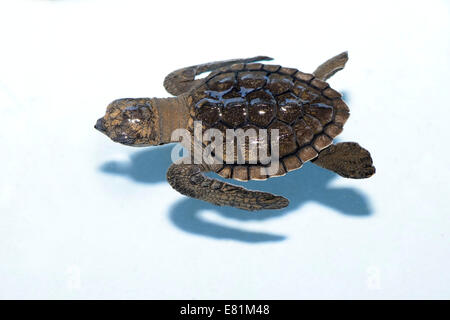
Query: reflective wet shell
[{"x": 306, "y": 111}]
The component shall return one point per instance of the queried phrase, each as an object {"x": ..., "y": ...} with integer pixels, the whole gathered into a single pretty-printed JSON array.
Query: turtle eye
[
  {"x": 137, "y": 112},
  {"x": 131, "y": 112}
]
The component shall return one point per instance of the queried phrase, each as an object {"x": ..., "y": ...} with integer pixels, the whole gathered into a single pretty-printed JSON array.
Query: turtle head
[{"x": 133, "y": 122}]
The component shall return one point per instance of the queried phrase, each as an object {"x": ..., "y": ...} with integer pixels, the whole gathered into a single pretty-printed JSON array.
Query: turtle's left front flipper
[
  {"x": 347, "y": 159},
  {"x": 188, "y": 179}
]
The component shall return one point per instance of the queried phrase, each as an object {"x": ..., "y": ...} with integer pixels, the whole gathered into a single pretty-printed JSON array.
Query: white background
[{"x": 83, "y": 217}]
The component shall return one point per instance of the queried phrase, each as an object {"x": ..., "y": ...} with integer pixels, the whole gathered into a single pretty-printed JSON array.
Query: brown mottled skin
[{"x": 241, "y": 94}]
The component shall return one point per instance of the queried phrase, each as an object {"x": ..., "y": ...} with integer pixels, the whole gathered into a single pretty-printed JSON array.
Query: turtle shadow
[{"x": 310, "y": 184}]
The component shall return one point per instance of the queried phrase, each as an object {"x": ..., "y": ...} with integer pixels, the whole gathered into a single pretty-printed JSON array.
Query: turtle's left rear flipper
[{"x": 347, "y": 159}]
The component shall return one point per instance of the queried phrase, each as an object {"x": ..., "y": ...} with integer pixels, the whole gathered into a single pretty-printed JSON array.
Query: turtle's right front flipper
[
  {"x": 189, "y": 180},
  {"x": 182, "y": 80}
]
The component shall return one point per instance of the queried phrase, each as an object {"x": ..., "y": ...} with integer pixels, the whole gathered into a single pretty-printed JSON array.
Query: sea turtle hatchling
[{"x": 243, "y": 94}]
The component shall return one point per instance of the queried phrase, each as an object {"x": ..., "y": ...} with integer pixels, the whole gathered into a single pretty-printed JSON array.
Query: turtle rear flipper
[
  {"x": 331, "y": 66},
  {"x": 347, "y": 159},
  {"x": 189, "y": 180},
  {"x": 183, "y": 80}
]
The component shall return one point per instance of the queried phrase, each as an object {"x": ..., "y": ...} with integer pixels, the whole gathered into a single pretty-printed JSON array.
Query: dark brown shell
[{"x": 307, "y": 112}]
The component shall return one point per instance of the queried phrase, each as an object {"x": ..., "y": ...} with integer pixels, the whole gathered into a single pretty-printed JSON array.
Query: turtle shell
[{"x": 305, "y": 110}]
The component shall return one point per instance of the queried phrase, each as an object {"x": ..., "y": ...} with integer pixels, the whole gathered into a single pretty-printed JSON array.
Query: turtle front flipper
[
  {"x": 331, "y": 66},
  {"x": 182, "y": 80},
  {"x": 188, "y": 179},
  {"x": 347, "y": 159}
]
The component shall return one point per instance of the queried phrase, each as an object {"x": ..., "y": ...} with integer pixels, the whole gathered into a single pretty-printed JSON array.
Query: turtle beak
[{"x": 100, "y": 126}]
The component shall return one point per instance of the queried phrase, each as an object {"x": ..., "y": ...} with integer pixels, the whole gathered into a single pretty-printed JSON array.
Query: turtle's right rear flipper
[
  {"x": 347, "y": 159},
  {"x": 327, "y": 69},
  {"x": 189, "y": 180}
]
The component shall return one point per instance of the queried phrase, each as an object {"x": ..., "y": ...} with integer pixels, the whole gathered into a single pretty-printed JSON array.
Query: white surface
[{"x": 83, "y": 217}]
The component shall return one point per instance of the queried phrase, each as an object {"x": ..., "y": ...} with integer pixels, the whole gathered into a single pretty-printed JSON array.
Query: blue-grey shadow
[
  {"x": 346, "y": 96},
  {"x": 309, "y": 184}
]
